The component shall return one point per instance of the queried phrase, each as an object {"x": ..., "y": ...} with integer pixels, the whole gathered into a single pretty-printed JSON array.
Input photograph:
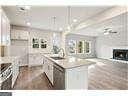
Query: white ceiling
[
  {"x": 117, "y": 24},
  {"x": 41, "y": 17}
]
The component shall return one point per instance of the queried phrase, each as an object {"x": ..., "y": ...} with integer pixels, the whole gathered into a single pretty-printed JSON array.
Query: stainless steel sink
[{"x": 57, "y": 58}]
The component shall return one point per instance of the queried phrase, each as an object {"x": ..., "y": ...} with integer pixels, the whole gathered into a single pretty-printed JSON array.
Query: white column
[{"x": 64, "y": 40}]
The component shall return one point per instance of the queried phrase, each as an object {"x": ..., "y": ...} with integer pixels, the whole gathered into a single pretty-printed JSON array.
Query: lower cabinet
[
  {"x": 48, "y": 69},
  {"x": 35, "y": 59},
  {"x": 15, "y": 70}
]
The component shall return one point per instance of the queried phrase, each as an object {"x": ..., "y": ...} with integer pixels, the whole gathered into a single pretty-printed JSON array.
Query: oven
[{"x": 6, "y": 76}]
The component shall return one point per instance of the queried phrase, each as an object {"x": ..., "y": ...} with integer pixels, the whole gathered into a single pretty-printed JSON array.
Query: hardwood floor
[
  {"x": 105, "y": 75},
  {"x": 108, "y": 75},
  {"x": 32, "y": 78}
]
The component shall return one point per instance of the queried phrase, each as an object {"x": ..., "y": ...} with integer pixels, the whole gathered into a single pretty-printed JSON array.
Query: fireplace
[{"x": 120, "y": 54}]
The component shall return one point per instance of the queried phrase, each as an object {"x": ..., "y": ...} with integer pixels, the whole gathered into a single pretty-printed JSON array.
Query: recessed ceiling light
[
  {"x": 28, "y": 7},
  {"x": 28, "y": 23},
  {"x": 75, "y": 20},
  {"x": 60, "y": 29},
  {"x": 68, "y": 27}
]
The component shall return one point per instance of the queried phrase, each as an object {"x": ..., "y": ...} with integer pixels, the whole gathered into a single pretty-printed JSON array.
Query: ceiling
[
  {"x": 42, "y": 16},
  {"x": 117, "y": 23}
]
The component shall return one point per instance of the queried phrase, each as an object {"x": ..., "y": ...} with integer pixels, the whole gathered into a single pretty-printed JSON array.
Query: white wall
[
  {"x": 40, "y": 34},
  {"x": 82, "y": 37},
  {"x": 106, "y": 43},
  {"x": 23, "y": 48}
]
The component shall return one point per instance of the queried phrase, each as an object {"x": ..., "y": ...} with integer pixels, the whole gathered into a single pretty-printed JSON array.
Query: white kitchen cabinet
[
  {"x": 15, "y": 70},
  {"x": 48, "y": 69},
  {"x": 19, "y": 34},
  {"x": 8, "y": 35},
  {"x": 76, "y": 78},
  {"x": 14, "y": 34},
  {"x": 67, "y": 78},
  {"x": 35, "y": 59},
  {"x": 0, "y": 28},
  {"x": 4, "y": 29}
]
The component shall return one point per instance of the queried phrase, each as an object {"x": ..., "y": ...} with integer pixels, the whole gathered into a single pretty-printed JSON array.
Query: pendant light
[
  {"x": 69, "y": 15},
  {"x": 54, "y": 27}
]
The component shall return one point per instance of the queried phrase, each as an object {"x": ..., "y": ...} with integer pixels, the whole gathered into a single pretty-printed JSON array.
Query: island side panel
[{"x": 76, "y": 78}]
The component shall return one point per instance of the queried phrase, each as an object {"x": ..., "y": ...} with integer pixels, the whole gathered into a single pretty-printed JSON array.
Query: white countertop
[
  {"x": 70, "y": 62},
  {"x": 8, "y": 59}
]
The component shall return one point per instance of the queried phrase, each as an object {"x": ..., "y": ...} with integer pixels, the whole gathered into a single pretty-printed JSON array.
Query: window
[
  {"x": 87, "y": 47},
  {"x": 79, "y": 47},
  {"x": 72, "y": 46}
]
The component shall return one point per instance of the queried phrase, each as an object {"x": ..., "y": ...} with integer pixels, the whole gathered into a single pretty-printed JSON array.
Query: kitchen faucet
[{"x": 63, "y": 52}]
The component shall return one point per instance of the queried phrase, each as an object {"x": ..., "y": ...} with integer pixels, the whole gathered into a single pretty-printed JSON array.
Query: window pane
[
  {"x": 87, "y": 47},
  {"x": 72, "y": 46},
  {"x": 80, "y": 46}
]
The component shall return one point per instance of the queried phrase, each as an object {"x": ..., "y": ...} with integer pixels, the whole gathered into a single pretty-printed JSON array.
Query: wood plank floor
[
  {"x": 108, "y": 75},
  {"x": 32, "y": 78},
  {"x": 105, "y": 75}
]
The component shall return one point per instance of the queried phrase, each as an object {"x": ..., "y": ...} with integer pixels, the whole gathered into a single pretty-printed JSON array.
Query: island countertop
[
  {"x": 7, "y": 59},
  {"x": 69, "y": 61}
]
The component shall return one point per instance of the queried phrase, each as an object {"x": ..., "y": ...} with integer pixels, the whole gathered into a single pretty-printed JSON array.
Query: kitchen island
[{"x": 67, "y": 73}]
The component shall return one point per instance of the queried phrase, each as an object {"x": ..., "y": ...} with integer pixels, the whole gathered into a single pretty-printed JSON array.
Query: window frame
[
  {"x": 76, "y": 47},
  {"x": 90, "y": 43}
]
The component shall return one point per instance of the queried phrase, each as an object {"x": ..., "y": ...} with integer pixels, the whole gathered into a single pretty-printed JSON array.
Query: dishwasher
[{"x": 58, "y": 77}]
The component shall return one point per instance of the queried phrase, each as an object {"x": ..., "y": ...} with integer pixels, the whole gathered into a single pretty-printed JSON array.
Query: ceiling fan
[
  {"x": 109, "y": 31},
  {"x": 24, "y": 8}
]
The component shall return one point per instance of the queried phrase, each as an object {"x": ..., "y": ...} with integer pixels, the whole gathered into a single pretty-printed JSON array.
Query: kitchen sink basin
[{"x": 57, "y": 58}]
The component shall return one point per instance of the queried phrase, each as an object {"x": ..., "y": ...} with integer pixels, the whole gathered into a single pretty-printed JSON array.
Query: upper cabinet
[
  {"x": 4, "y": 29},
  {"x": 19, "y": 34}
]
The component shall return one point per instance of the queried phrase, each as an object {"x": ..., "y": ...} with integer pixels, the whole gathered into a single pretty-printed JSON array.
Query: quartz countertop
[
  {"x": 7, "y": 59},
  {"x": 69, "y": 61}
]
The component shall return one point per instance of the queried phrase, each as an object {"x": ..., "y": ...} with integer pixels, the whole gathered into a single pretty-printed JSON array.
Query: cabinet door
[
  {"x": 3, "y": 30},
  {"x": 15, "y": 70},
  {"x": 35, "y": 59},
  {"x": 8, "y": 32},
  {"x": 32, "y": 59},
  {"x": 48, "y": 69},
  {"x": 51, "y": 71},
  {"x": 0, "y": 28},
  {"x": 44, "y": 64},
  {"x": 24, "y": 35},
  {"x": 39, "y": 59},
  {"x": 19, "y": 34},
  {"x": 15, "y": 34}
]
